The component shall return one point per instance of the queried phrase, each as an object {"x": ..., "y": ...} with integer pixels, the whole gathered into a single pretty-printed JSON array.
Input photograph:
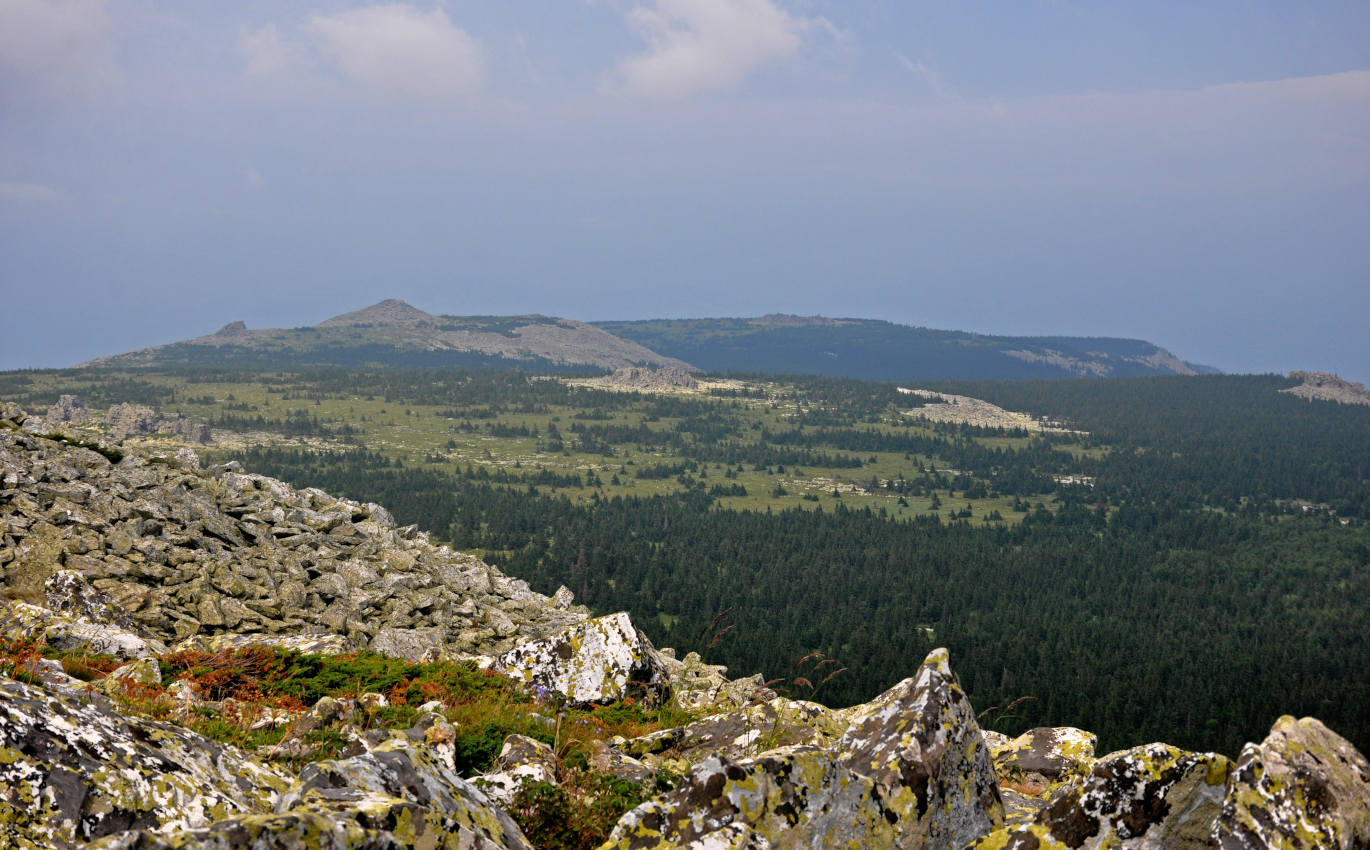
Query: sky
[{"x": 1192, "y": 174}]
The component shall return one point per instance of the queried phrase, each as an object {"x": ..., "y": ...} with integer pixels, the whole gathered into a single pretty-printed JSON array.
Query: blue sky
[{"x": 1194, "y": 174}]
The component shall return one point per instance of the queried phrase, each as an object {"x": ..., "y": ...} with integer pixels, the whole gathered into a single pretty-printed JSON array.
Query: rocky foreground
[{"x": 111, "y": 552}]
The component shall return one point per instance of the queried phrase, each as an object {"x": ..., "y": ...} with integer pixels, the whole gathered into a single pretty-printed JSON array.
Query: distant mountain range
[
  {"x": 884, "y": 351},
  {"x": 393, "y": 333}
]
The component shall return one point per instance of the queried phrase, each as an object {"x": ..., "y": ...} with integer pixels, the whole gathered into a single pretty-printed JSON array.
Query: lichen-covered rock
[
  {"x": 413, "y": 645},
  {"x": 127, "y": 419},
  {"x": 398, "y": 776},
  {"x": 920, "y": 744},
  {"x": 145, "y": 672},
  {"x": 796, "y": 797},
  {"x": 521, "y": 759},
  {"x": 1035, "y": 768},
  {"x": 158, "y": 547},
  {"x": 68, "y": 592},
  {"x": 396, "y": 797},
  {"x": 911, "y": 771},
  {"x": 749, "y": 731},
  {"x": 1053, "y": 752},
  {"x": 1152, "y": 796},
  {"x": 607, "y": 761},
  {"x": 698, "y": 686},
  {"x": 1303, "y": 787},
  {"x": 314, "y": 644},
  {"x": 601, "y": 660},
  {"x": 68, "y": 409},
  {"x": 72, "y": 634},
  {"x": 72, "y": 769},
  {"x": 299, "y": 830}
]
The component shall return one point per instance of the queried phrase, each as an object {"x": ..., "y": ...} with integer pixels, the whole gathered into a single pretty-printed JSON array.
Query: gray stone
[
  {"x": 521, "y": 759},
  {"x": 602, "y": 660},
  {"x": 910, "y": 772},
  {"x": 921, "y": 745},
  {"x": 413, "y": 645},
  {"x": 1303, "y": 787},
  {"x": 71, "y": 769}
]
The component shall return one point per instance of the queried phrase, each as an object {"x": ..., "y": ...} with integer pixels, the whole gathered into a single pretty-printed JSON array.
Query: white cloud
[
  {"x": 696, "y": 45},
  {"x": 28, "y": 192},
  {"x": 264, "y": 51},
  {"x": 398, "y": 48},
  {"x": 930, "y": 77},
  {"x": 59, "y": 46}
]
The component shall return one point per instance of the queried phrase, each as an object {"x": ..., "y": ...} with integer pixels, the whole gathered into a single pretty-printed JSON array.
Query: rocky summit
[
  {"x": 133, "y": 582},
  {"x": 1323, "y": 386}
]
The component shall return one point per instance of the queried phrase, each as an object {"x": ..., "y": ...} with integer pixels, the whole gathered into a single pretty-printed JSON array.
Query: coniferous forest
[{"x": 1185, "y": 560}]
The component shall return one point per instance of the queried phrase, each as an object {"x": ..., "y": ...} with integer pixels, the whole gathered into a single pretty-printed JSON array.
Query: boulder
[
  {"x": 698, "y": 686},
  {"x": 603, "y": 660},
  {"x": 793, "y": 797},
  {"x": 72, "y": 769},
  {"x": 1053, "y": 752},
  {"x": 401, "y": 789},
  {"x": 314, "y": 644},
  {"x": 749, "y": 731},
  {"x": 73, "y": 634},
  {"x": 144, "y": 672},
  {"x": 128, "y": 419},
  {"x": 521, "y": 759},
  {"x": 68, "y": 592},
  {"x": 921, "y": 745},
  {"x": 68, "y": 409},
  {"x": 911, "y": 771},
  {"x": 1303, "y": 787},
  {"x": 607, "y": 761},
  {"x": 413, "y": 645},
  {"x": 1034, "y": 768},
  {"x": 1152, "y": 796},
  {"x": 396, "y": 796}
]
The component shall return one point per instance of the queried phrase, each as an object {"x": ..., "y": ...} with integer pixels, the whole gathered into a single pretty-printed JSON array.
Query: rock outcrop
[
  {"x": 1155, "y": 795},
  {"x": 643, "y": 379},
  {"x": 1324, "y": 386},
  {"x": 1302, "y": 787},
  {"x": 912, "y": 770},
  {"x": 121, "y": 421},
  {"x": 602, "y": 660},
  {"x": 72, "y": 769}
]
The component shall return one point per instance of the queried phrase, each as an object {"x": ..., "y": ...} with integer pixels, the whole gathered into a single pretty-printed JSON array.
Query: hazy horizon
[{"x": 1194, "y": 176}]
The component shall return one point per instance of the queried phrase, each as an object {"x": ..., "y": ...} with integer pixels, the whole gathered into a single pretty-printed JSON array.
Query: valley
[{"x": 1168, "y": 524}]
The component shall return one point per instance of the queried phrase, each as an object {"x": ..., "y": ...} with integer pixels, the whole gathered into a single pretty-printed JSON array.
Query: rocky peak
[
  {"x": 390, "y": 312},
  {"x": 1325, "y": 386},
  {"x": 237, "y": 328}
]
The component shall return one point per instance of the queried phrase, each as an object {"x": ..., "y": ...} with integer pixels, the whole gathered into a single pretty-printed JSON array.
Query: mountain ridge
[
  {"x": 393, "y": 332},
  {"x": 397, "y": 333},
  {"x": 877, "y": 349}
]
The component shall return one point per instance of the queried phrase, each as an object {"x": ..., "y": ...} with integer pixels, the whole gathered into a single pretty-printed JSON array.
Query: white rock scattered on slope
[{"x": 601, "y": 660}]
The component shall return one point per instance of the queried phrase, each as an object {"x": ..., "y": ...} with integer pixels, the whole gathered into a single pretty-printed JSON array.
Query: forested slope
[
  {"x": 1214, "y": 576},
  {"x": 885, "y": 351}
]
